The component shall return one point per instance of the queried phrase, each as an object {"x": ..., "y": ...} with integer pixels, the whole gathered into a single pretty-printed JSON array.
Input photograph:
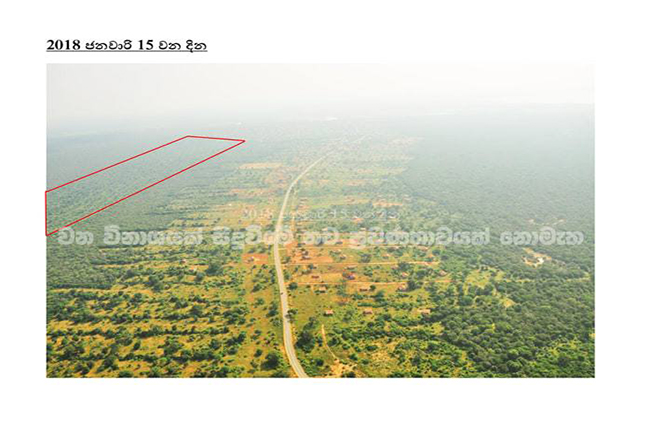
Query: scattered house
[
  {"x": 351, "y": 268},
  {"x": 315, "y": 277},
  {"x": 349, "y": 275},
  {"x": 367, "y": 311},
  {"x": 321, "y": 289},
  {"x": 425, "y": 311},
  {"x": 402, "y": 288},
  {"x": 329, "y": 312},
  {"x": 364, "y": 289}
]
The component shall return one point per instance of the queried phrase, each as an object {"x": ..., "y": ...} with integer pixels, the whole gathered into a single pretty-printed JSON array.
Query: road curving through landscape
[{"x": 284, "y": 296}]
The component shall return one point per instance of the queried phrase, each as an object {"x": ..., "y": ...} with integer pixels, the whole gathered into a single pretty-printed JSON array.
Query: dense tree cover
[{"x": 517, "y": 171}]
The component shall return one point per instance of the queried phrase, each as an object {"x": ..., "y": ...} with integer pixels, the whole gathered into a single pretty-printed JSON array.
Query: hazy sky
[{"x": 101, "y": 94}]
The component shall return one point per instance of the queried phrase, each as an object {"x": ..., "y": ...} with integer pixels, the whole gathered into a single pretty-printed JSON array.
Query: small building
[
  {"x": 402, "y": 288},
  {"x": 364, "y": 289},
  {"x": 367, "y": 311},
  {"x": 329, "y": 312},
  {"x": 315, "y": 277},
  {"x": 425, "y": 311},
  {"x": 321, "y": 289}
]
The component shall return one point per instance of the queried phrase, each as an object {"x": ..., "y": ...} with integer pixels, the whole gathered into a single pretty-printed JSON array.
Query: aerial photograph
[{"x": 320, "y": 221}]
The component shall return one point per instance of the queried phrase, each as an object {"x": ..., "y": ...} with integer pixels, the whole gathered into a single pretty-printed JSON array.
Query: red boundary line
[{"x": 239, "y": 141}]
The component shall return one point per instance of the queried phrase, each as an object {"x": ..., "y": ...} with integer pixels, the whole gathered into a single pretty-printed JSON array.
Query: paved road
[{"x": 284, "y": 297}]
